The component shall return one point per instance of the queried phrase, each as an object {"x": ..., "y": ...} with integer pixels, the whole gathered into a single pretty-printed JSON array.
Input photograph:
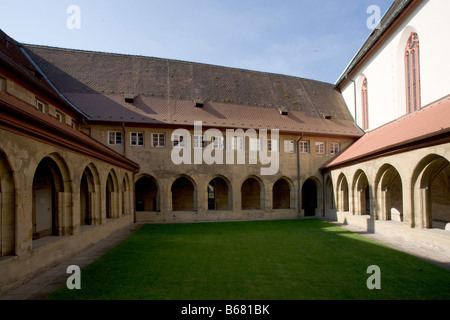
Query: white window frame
[
  {"x": 238, "y": 144},
  {"x": 255, "y": 144},
  {"x": 305, "y": 147},
  {"x": 137, "y": 139},
  {"x": 41, "y": 106},
  {"x": 158, "y": 137},
  {"x": 115, "y": 138},
  {"x": 289, "y": 146},
  {"x": 273, "y": 145},
  {"x": 199, "y": 142},
  {"x": 218, "y": 143},
  {"x": 320, "y": 148},
  {"x": 179, "y": 140},
  {"x": 335, "y": 147}
]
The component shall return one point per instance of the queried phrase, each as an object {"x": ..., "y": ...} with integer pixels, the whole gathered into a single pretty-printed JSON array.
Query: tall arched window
[
  {"x": 365, "y": 105},
  {"x": 412, "y": 67}
]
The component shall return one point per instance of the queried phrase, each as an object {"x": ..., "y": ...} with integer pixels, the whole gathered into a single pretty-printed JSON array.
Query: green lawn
[{"x": 267, "y": 260}]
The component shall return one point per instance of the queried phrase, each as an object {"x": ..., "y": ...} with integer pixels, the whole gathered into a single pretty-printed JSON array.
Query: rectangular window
[
  {"x": 335, "y": 148},
  {"x": 137, "y": 139},
  {"x": 320, "y": 147},
  {"x": 289, "y": 146},
  {"x": 199, "y": 142},
  {"x": 159, "y": 140},
  {"x": 272, "y": 145},
  {"x": 218, "y": 143},
  {"x": 41, "y": 106},
  {"x": 74, "y": 124},
  {"x": 60, "y": 116},
  {"x": 115, "y": 138},
  {"x": 179, "y": 140},
  {"x": 304, "y": 147},
  {"x": 238, "y": 143},
  {"x": 254, "y": 144}
]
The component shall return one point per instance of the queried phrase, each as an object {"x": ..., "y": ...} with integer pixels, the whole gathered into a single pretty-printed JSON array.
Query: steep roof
[
  {"x": 411, "y": 130},
  {"x": 397, "y": 8},
  {"x": 165, "y": 93}
]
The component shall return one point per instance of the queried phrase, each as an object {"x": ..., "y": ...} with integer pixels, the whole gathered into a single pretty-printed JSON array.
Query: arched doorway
[
  {"x": 183, "y": 195},
  {"x": 281, "y": 194},
  {"x": 147, "y": 194},
  {"x": 361, "y": 194},
  {"x": 219, "y": 194},
  {"x": 309, "y": 198},
  {"x": 252, "y": 194},
  {"x": 48, "y": 184},
  {"x": 390, "y": 193},
  {"x": 7, "y": 208},
  {"x": 431, "y": 188}
]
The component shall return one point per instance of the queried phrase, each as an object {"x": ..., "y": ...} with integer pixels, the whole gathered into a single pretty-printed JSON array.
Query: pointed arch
[
  {"x": 252, "y": 194},
  {"x": 184, "y": 194},
  {"x": 412, "y": 73},
  {"x": 342, "y": 192},
  {"x": 389, "y": 193},
  {"x": 7, "y": 208},
  {"x": 361, "y": 194},
  {"x": 220, "y": 194},
  {"x": 431, "y": 192},
  {"x": 147, "y": 194},
  {"x": 112, "y": 195},
  {"x": 52, "y": 198},
  {"x": 282, "y": 194}
]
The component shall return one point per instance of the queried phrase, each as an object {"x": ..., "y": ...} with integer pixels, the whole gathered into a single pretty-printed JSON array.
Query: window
[
  {"x": 335, "y": 148},
  {"x": 179, "y": 140},
  {"x": 304, "y": 147},
  {"x": 218, "y": 143},
  {"x": 60, "y": 116},
  {"x": 115, "y": 138},
  {"x": 74, "y": 124},
  {"x": 412, "y": 67},
  {"x": 159, "y": 140},
  {"x": 365, "y": 105},
  {"x": 238, "y": 144},
  {"x": 289, "y": 146},
  {"x": 41, "y": 106},
  {"x": 320, "y": 147},
  {"x": 254, "y": 144},
  {"x": 137, "y": 139},
  {"x": 199, "y": 142},
  {"x": 272, "y": 145}
]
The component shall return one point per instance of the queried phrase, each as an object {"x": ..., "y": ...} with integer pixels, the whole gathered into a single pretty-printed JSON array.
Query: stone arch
[
  {"x": 112, "y": 196},
  {"x": 7, "y": 208},
  {"x": 311, "y": 197},
  {"x": 219, "y": 194},
  {"x": 342, "y": 194},
  {"x": 361, "y": 193},
  {"x": 389, "y": 193},
  {"x": 431, "y": 192},
  {"x": 329, "y": 194},
  {"x": 90, "y": 195},
  {"x": 282, "y": 194},
  {"x": 126, "y": 196},
  {"x": 52, "y": 198},
  {"x": 147, "y": 194},
  {"x": 252, "y": 194},
  {"x": 184, "y": 194}
]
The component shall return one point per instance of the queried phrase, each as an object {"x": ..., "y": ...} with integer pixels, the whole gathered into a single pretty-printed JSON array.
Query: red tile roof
[
  {"x": 430, "y": 121},
  {"x": 166, "y": 91}
]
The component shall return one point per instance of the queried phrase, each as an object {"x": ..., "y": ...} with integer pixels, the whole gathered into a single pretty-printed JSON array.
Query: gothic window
[{"x": 412, "y": 66}]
